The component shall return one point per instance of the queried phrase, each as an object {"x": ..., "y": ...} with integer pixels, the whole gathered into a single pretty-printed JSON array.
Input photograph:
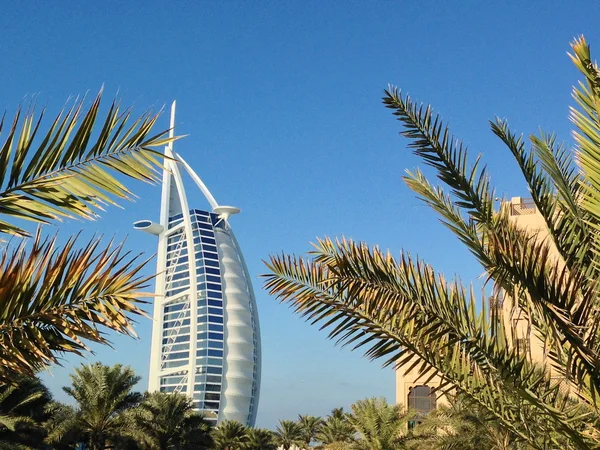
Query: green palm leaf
[
  {"x": 288, "y": 434},
  {"x": 379, "y": 426},
  {"x": 69, "y": 171},
  {"x": 168, "y": 422},
  {"x": 104, "y": 397},
  {"x": 405, "y": 313},
  {"x": 230, "y": 435},
  {"x": 260, "y": 439},
  {"x": 401, "y": 309}
]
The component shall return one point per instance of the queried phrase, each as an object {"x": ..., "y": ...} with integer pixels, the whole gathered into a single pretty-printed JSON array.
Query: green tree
[
  {"x": 401, "y": 308},
  {"x": 338, "y": 413},
  {"x": 336, "y": 431},
  {"x": 288, "y": 434},
  {"x": 23, "y": 410},
  {"x": 310, "y": 427},
  {"x": 462, "y": 425},
  {"x": 104, "y": 397},
  {"x": 230, "y": 435},
  {"x": 260, "y": 439},
  {"x": 379, "y": 426},
  {"x": 168, "y": 422},
  {"x": 60, "y": 429},
  {"x": 54, "y": 297}
]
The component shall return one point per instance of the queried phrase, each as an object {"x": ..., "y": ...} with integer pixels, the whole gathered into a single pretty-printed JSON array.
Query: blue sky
[{"x": 282, "y": 105}]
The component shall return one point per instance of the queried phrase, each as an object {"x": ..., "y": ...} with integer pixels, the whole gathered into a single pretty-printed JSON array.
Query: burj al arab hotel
[{"x": 205, "y": 335}]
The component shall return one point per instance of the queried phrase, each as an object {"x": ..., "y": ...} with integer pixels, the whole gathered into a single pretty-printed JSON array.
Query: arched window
[{"x": 421, "y": 399}]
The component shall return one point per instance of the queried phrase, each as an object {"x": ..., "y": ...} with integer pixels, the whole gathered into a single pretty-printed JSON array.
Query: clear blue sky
[{"x": 281, "y": 101}]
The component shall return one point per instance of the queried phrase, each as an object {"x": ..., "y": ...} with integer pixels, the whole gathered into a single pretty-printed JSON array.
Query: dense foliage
[
  {"x": 54, "y": 297},
  {"x": 402, "y": 310},
  {"x": 109, "y": 414}
]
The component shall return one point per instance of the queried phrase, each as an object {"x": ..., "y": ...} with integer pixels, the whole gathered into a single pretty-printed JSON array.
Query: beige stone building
[{"x": 412, "y": 392}]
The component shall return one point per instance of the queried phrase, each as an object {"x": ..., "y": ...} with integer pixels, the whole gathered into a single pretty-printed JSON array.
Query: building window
[
  {"x": 421, "y": 399},
  {"x": 211, "y": 396},
  {"x": 213, "y": 279}
]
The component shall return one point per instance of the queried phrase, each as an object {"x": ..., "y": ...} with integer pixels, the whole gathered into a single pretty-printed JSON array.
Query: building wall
[
  {"x": 405, "y": 382},
  {"x": 241, "y": 363},
  {"x": 524, "y": 213}
]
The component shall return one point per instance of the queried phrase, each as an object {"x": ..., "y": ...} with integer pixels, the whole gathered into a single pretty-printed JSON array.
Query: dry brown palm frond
[{"x": 53, "y": 298}]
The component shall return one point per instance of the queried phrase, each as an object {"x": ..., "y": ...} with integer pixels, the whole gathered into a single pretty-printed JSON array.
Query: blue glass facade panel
[{"x": 176, "y": 321}]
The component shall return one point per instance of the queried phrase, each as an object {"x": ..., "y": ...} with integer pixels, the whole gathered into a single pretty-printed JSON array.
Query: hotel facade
[{"x": 206, "y": 334}]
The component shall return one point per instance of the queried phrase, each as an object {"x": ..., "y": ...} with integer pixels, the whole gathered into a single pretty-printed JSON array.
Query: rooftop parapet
[{"x": 520, "y": 206}]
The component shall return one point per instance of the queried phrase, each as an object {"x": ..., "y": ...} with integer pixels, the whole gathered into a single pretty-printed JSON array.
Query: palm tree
[
  {"x": 260, "y": 439},
  {"x": 288, "y": 434},
  {"x": 230, "y": 435},
  {"x": 310, "y": 426},
  {"x": 336, "y": 431},
  {"x": 22, "y": 414},
  {"x": 462, "y": 425},
  {"x": 402, "y": 309},
  {"x": 338, "y": 413},
  {"x": 54, "y": 297},
  {"x": 379, "y": 426},
  {"x": 168, "y": 422},
  {"x": 61, "y": 432},
  {"x": 104, "y": 396}
]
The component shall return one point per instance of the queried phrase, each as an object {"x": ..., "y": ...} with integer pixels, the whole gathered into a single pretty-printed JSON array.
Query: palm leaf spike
[
  {"x": 318, "y": 296},
  {"x": 538, "y": 256},
  {"x": 442, "y": 156},
  {"x": 53, "y": 298},
  {"x": 71, "y": 173}
]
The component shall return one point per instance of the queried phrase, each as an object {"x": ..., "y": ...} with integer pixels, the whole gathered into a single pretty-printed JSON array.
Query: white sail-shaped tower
[{"x": 205, "y": 335}]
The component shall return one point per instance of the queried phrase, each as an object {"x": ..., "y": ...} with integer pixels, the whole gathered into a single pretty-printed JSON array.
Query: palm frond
[
  {"x": 104, "y": 399},
  {"x": 71, "y": 172},
  {"x": 401, "y": 309},
  {"x": 62, "y": 423},
  {"x": 433, "y": 142},
  {"x": 587, "y": 121},
  {"x": 513, "y": 258},
  {"x": 557, "y": 162},
  {"x": 53, "y": 298},
  {"x": 555, "y": 191},
  {"x": 230, "y": 435}
]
